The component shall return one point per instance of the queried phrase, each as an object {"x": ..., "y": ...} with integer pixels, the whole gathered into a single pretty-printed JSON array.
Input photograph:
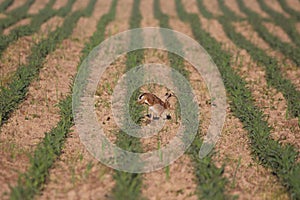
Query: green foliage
[
  {"x": 36, "y": 22},
  {"x": 44, "y": 156},
  {"x": 274, "y": 76},
  {"x": 280, "y": 159},
  {"x": 287, "y": 24},
  {"x": 15, "y": 15},
  {"x": 203, "y": 10},
  {"x": 295, "y": 14},
  {"x": 128, "y": 185},
  {"x": 5, "y": 4},
  {"x": 12, "y": 95},
  {"x": 211, "y": 184},
  {"x": 31, "y": 182},
  {"x": 284, "y": 47}
]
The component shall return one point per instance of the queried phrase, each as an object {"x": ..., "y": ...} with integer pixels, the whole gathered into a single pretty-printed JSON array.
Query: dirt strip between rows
[
  {"x": 233, "y": 5},
  {"x": 86, "y": 177},
  {"x": 37, "y": 6},
  {"x": 16, "y": 4},
  {"x": 289, "y": 68},
  {"x": 38, "y": 113},
  {"x": 274, "y": 5},
  {"x": 251, "y": 180},
  {"x": 17, "y": 52},
  {"x": 254, "y": 6}
]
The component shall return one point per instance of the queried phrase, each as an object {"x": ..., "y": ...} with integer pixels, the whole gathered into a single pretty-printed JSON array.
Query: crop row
[
  {"x": 15, "y": 15},
  {"x": 211, "y": 183},
  {"x": 274, "y": 75},
  {"x": 35, "y": 24},
  {"x": 129, "y": 185},
  {"x": 295, "y": 14},
  {"x": 30, "y": 182},
  {"x": 287, "y": 24},
  {"x": 286, "y": 48},
  {"x": 12, "y": 95},
  {"x": 5, "y": 4},
  {"x": 280, "y": 159}
]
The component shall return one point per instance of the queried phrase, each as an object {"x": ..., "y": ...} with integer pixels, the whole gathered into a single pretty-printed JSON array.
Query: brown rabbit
[{"x": 156, "y": 105}]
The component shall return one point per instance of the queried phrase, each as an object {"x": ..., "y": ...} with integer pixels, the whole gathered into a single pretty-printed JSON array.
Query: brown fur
[{"x": 155, "y": 104}]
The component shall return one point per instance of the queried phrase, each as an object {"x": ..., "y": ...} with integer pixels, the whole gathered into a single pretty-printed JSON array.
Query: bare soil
[
  {"x": 254, "y": 6},
  {"x": 86, "y": 177},
  {"x": 59, "y": 4},
  {"x": 294, "y": 4},
  {"x": 38, "y": 113},
  {"x": 254, "y": 79},
  {"x": 277, "y": 31},
  {"x": 19, "y": 23},
  {"x": 15, "y": 5},
  {"x": 76, "y": 174},
  {"x": 213, "y": 7},
  {"x": 233, "y": 5},
  {"x": 37, "y": 6},
  {"x": 273, "y": 4}
]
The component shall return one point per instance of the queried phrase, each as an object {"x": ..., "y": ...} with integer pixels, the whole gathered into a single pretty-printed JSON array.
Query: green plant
[
  {"x": 5, "y": 4},
  {"x": 286, "y": 48},
  {"x": 15, "y": 15},
  {"x": 280, "y": 159},
  {"x": 15, "y": 92},
  {"x": 295, "y": 14},
  {"x": 287, "y": 24},
  {"x": 128, "y": 185},
  {"x": 274, "y": 76},
  {"x": 211, "y": 184},
  {"x": 35, "y": 24}
]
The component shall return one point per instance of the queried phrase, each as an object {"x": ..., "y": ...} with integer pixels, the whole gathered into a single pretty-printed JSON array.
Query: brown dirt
[
  {"x": 169, "y": 8},
  {"x": 59, "y": 4},
  {"x": 19, "y": 23},
  {"x": 39, "y": 113},
  {"x": 74, "y": 163},
  {"x": 77, "y": 174},
  {"x": 79, "y": 5},
  {"x": 294, "y": 4},
  {"x": 51, "y": 25},
  {"x": 289, "y": 69},
  {"x": 213, "y": 7},
  {"x": 123, "y": 12},
  {"x": 2, "y": 16},
  {"x": 103, "y": 97},
  {"x": 247, "y": 31},
  {"x": 277, "y": 31},
  {"x": 273, "y": 4},
  {"x": 258, "y": 86},
  {"x": 298, "y": 26},
  {"x": 13, "y": 160},
  {"x": 180, "y": 184},
  {"x": 14, "y": 56},
  {"x": 254, "y": 6},
  {"x": 148, "y": 19},
  {"x": 233, "y": 5},
  {"x": 37, "y": 6},
  {"x": 15, "y": 5}
]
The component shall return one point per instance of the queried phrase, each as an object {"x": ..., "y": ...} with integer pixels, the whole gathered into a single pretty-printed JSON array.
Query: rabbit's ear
[{"x": 141, "y": 96}]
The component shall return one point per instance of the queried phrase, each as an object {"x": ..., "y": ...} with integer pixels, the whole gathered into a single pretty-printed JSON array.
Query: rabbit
[{"x": 156, "y": 105}]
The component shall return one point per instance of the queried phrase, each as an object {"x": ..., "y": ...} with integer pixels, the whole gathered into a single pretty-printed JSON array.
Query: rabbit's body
[{"x": 156, "y": 105}]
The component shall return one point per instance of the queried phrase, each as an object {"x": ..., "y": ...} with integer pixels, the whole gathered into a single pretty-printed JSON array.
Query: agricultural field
[{"x": 255, "y": 46}]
